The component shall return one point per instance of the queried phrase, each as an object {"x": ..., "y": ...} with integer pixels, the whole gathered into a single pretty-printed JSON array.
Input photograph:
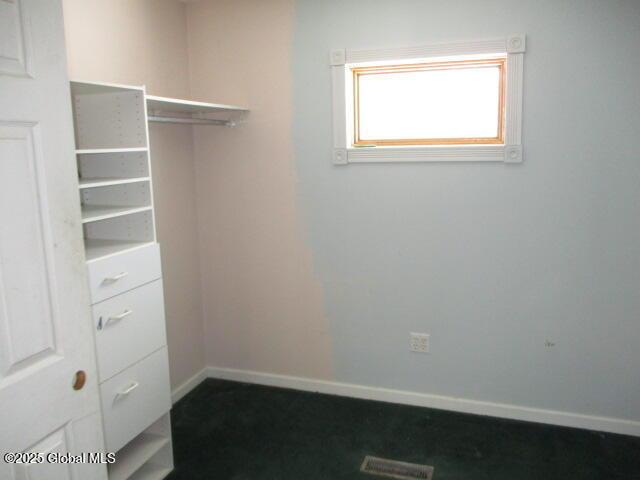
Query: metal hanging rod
[{"x": 197, "y": 121}]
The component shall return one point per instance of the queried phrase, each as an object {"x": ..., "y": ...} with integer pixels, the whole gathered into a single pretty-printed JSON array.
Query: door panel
[
  {"x": 55, "y": 443},
  {"x": 14, "y": 49},
  {"x": 26, "y": 280}
]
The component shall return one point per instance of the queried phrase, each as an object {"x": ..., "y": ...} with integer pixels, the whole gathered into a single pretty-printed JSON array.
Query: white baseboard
[
  {"x": 181, "y": 390},
  {"x": 501, "y": 410}
]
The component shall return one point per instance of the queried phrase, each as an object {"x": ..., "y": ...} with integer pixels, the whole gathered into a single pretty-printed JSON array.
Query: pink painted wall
[{"x": 263, "y": 303}]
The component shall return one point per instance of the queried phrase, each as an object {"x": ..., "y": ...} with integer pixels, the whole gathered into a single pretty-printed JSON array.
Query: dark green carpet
[{"x": 232, "y": 431}]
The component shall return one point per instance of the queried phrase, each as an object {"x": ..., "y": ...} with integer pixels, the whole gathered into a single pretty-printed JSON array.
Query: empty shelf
[
  {"x": 84, "y": 151},
  {"x": 151, "y": 471},
  {"x": 108, "y": 181},
  {"x": 174, "y": 110},
  {"x": 94, "y": 213},
  {"x": 135, "y": 454},
  {"x": 95, "y": 249},
  {"x": 174, "y": 105}
]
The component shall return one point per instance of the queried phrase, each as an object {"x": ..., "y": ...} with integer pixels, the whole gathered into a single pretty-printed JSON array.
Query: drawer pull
[
  {"x": 115, "y": 318},
  {"x": 127, "y": 390},
  {"x": 115, "y": 278}
]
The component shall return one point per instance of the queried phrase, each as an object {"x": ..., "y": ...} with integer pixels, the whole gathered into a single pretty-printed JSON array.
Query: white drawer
[
  {"x": 113, "y": 275},
  {"x": 129, "y": 327},
  {"x": 134, "y": 399}
]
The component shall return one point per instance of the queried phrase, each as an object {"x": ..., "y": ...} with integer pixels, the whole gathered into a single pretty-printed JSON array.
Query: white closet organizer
[{"x": 123, "y": 260}]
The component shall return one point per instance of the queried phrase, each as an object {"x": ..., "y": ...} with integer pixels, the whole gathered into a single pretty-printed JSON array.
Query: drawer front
[
  {"x": 134, "y": 399},
  {"x": 129, "y": 327},
  {"x": 114, "y": 275}
]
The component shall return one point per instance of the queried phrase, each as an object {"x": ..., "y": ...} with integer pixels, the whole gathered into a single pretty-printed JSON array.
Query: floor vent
[{"x": 393, "y": 469}]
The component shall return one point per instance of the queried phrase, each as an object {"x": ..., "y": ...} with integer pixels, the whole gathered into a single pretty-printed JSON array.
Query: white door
[{"x": 45, "y": 321}]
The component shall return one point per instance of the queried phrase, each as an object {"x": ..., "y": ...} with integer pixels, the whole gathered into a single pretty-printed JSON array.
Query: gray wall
[{"x": 492, "y": 260}]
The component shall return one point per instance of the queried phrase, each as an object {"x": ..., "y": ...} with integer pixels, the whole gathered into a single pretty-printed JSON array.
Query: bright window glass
[{"x": 427, "y": 104}]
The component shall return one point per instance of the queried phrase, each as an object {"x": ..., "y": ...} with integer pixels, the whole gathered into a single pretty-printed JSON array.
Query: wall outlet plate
[{"x": 419, "y": 342}]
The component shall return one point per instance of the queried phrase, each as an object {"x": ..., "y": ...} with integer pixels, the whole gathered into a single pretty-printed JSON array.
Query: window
[
  {"x": 439, "y": 103},
  {"x": 444, "y": 102}
]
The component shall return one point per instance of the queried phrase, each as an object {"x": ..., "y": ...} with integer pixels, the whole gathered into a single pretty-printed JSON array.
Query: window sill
[{"x": 431, "y": 153}]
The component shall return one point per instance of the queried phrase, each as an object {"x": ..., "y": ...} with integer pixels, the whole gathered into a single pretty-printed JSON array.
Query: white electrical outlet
[{"x": 419, "y": 342}]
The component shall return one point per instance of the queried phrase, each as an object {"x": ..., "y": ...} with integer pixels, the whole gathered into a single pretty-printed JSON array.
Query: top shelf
[
  {"x": 79, "y": 87},
  {"x": 166, "y": 105}
]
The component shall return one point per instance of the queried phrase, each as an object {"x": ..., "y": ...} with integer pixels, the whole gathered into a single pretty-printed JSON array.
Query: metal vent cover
[{"x": 395, "y": 469}]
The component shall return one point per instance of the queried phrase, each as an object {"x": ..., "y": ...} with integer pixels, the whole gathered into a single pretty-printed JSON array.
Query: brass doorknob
[{"x": 79, "y": 379}]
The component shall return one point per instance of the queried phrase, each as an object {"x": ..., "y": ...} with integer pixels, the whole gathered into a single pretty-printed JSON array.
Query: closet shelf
[
  {"x": 108, "y": 181},
  {"x": 135, "y": 454},
  {"x": 176, "y": 105},
  {"x": 97, "y": 249},
  {"x": 174, "y": 110},
  {"x": 82, "y": 87},
  {"x": 85, "y": 151},
  {"x": 94, "y": 213}
]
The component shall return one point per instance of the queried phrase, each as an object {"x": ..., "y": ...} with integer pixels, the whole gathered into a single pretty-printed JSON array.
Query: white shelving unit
[
  {"x": 123, "y": 259},
  {"x": 115, "y": 189}
]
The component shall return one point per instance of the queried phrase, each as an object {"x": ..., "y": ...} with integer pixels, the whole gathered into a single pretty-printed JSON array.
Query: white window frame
[{"x": 510, "y": 152}]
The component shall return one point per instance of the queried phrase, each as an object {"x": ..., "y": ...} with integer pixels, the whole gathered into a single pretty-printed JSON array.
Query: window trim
[{"x": 509, "y": 150}]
